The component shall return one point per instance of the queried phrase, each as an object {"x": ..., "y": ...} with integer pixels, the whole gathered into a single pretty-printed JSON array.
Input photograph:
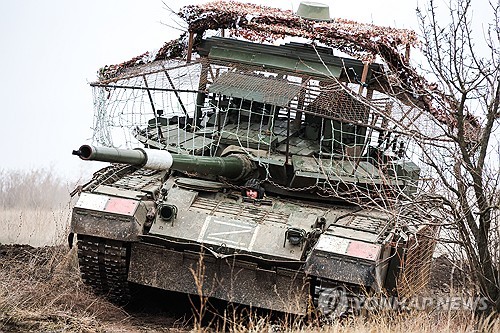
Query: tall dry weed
[
  {"x": 387, "y": 322},
  {"x": 35, "y": 227}
]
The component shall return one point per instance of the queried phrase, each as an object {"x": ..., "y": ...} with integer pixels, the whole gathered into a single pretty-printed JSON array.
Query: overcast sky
[{"x": 51, "y": 50}]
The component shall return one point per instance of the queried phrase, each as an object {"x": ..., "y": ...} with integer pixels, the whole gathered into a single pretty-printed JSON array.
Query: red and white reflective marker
[{"x": 105, "y": 203}]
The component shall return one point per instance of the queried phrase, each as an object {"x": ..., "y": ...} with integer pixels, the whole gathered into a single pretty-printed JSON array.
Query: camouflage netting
[
  {"x": 173, "y": 49},
  {"x": 362, "y": 41}
]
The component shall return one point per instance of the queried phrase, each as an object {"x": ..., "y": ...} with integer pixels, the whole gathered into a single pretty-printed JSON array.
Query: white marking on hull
[
  {"x": 254, "y": 236},
  {"x": 204, "y": 229}
]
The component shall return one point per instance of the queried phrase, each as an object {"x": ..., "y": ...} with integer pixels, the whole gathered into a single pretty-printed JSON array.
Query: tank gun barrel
[{"x": 233, "y": 167}]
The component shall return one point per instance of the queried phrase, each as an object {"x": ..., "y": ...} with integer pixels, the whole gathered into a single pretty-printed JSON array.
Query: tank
[{"x": 266, "y": 175}]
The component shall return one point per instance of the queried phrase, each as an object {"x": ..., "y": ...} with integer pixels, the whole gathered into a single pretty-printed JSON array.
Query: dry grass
[
  {"x": 417, "y": 321},
  {"x": 40, "y": 290},
  {"x": 35, "y": 227},
  {"x": 33, "y": 189},
  {"x": 34, "y": 207}
]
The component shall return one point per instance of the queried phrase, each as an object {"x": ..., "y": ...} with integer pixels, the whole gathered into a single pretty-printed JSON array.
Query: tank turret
[{"x": 234, "y": 167}]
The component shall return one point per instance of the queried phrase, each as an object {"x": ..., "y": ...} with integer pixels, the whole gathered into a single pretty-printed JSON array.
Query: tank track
[
  {"x": 332, "y": 301},
  {"x": 104, "y": 266}
]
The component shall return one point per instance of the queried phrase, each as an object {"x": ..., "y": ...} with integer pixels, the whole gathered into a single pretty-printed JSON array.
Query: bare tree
[{"x": 468, "y": 75}]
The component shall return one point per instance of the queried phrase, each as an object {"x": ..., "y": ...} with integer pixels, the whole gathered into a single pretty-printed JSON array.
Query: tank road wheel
[{"x": 104, "y": 266}]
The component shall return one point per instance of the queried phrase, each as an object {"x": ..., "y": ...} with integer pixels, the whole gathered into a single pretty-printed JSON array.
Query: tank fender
[
  {"x": 345, "y": 260},
  {"x": 108, "y": 217}
]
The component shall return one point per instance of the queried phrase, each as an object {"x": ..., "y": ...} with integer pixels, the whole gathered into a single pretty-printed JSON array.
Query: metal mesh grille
[
  {"x": 417, "y": 265},
  {"x": 138, "y": 180},
  {"x": 255, "y": 88},
  {"x": 325, "y": 97},
  {"x": 218, "y": 208},
  {"x": 367, "y": 223},
  {"x": 334, "y": 102}
]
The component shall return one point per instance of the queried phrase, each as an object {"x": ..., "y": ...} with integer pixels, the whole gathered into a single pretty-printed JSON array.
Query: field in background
[
  {"x": 37, "y": 227},
  {"x": 35, "y": 207}
]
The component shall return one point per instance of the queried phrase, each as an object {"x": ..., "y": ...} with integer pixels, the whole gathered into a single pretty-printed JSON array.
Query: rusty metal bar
[
  {"x": 190, "y": 47},
  {"x": 201, "y": 96},
  {"x": 363, "y": 76},
  {"x": 300, "y": 103}
]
